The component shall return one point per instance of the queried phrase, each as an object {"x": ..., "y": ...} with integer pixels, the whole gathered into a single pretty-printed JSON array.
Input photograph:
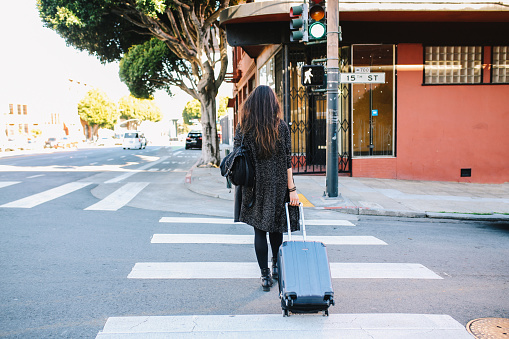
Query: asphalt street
[{"x": 71, "y": 261}]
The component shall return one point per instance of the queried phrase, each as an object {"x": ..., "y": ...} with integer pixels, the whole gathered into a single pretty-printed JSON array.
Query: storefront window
[
  {"x": 373, "y": 103},
  {"x": 453, "y": 65},
  {"x": 500, "y": 65},
  {"x": 266, "y": 74}
]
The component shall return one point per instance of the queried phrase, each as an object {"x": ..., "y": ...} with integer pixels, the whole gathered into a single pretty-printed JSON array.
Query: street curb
[
  {"x": 375, "y": 212},
  {"x": 356, "y": 210},
  {"x": 475, "y": 217}
]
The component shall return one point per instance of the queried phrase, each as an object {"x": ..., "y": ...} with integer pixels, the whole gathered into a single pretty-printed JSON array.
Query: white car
[{"x": 134, "y": 139}]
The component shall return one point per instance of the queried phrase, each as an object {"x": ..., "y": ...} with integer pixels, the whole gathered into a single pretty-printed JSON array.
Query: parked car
[
  {"x": 51, "y": 143},
  {"x": 134, "y": 139},
  {"x": 7, "y": 144},
  {"x": 66, "y": 142},
  {"x": 194, "y": 140}
]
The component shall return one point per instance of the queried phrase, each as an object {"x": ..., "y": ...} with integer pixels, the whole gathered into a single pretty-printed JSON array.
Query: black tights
[{"x": 261, "y": 248}]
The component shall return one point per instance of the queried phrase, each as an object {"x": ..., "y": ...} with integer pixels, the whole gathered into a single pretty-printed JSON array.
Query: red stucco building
[{"x": 442, "y": 113}]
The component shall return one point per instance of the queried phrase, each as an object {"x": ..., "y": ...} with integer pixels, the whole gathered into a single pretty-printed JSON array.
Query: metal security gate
[{"x": 306, "y": 115}]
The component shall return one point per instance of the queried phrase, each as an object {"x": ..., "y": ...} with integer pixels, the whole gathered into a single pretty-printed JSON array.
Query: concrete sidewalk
[{"x": 385, "y": 197}]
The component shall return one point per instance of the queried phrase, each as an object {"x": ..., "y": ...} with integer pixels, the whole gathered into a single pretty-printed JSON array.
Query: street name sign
[{"x": 362, "y": 78}]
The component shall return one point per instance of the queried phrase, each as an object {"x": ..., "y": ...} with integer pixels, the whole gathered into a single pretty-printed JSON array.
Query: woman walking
[{"x": 267, "y": 138}]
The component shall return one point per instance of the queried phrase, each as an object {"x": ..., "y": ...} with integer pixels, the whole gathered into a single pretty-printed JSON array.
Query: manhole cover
[{"x": 489, "y": 328}]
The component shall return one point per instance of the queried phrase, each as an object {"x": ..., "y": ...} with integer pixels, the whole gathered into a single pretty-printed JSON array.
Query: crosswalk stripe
[
  {"x": 8, "y": 183},
  {"x": 39, "y": 198},
  {"x": 184, "y": 220},
  {"x": 134, "y": 171},
  {"x": 250, "y": 270},
  {"x": 358, "y": 326},
  {"x": 248, "y": 239},
  {"x": 119, "y": 198}
]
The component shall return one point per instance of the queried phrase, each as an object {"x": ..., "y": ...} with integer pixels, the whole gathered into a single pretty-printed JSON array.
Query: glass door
[{"x": 373, "y": 120}]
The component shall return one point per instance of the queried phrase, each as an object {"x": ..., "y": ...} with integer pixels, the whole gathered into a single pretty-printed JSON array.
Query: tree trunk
[{"x": 210, "y": 142}]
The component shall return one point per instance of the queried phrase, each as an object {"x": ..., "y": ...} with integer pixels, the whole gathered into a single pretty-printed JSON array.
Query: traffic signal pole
[{"x": 332, "y": 97}]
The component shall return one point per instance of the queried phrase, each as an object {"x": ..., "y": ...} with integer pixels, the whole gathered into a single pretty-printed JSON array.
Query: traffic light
[
  {"x": 298, "y": 23},
  {"x": 317, "y": 26}
]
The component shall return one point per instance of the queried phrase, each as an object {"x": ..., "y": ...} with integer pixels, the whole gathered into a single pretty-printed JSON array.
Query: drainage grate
[{"x": 489, "y": 328}]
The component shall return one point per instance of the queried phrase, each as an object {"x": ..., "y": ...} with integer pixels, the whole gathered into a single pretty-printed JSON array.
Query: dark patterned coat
[{"x": 270, "y": 191}]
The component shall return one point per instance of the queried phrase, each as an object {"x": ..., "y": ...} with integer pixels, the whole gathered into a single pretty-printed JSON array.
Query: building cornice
[{"x": 459, "y": 10}]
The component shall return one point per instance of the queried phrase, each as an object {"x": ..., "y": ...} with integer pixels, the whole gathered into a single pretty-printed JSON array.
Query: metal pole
[
  {"x": 286, "y": 84},
  {"x": 371, "y": 146},
  {"x": 332, "y": 97}
]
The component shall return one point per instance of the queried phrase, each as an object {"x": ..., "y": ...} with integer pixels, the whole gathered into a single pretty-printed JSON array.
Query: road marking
[
  {"x": 119, "y": 198},
  {"x": 46, "y": 196},
  {"x": 248, "y": 239},
  {"x": 305, "y": 202},
  {"x": 250, "y": 270},
  {"x": 35, "y": 176},
  {"x": 254, "y": 326},
  {"x": 8, "y": 183},
  {"x": 183, "y": 220},
  {"x": 128, "y": 174}
]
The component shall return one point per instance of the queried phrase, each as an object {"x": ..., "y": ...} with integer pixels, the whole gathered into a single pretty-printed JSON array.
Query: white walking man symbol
[{"x": 307, "y": 76}]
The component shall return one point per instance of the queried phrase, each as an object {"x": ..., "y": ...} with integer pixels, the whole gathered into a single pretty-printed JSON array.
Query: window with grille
[
  {"x": 453, "y": 65},
  {"x": 500, "y": 65}
]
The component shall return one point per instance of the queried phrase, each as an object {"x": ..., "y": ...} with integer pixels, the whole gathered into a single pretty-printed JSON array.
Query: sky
[{"x": 36, "y": 65}]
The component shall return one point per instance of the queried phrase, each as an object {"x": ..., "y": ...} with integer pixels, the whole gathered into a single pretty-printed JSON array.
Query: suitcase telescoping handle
[{"x": 301, "y": 221}]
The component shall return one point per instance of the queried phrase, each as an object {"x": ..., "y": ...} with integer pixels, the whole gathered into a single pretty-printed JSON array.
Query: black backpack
[{"x": 238, "y": 167}]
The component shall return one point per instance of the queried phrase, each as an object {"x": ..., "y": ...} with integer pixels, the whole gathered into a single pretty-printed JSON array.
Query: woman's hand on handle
[{"x": 294, "y": 198}]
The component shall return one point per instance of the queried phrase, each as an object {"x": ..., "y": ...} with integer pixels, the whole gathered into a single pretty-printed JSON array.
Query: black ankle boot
[
  {"x": 275, "y": 269},
  {"x": 266, "y": 279}
]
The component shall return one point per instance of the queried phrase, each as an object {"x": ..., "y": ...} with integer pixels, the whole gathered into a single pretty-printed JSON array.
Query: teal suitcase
[{"x": 305, "y": 284}]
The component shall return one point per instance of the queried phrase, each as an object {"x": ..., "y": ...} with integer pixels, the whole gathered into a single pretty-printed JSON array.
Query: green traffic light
[{"x": 317, "y": 30}]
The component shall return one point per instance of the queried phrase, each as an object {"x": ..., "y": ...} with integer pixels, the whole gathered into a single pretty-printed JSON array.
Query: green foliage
[
  {"x": 191, "y": 111},
  {"x": 97, "y": 109},
  {"x": 141, "y": 109},
  {"x": 222, "y": 106},
  {"x": 147, "y": 68},
  {"x": 92, "y": 25}
]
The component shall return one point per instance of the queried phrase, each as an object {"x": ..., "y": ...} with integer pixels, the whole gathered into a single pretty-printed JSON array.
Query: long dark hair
[{"x": 260, "y": 117}]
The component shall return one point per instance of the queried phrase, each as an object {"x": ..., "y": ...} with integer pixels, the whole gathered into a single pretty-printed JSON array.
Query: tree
[
  {"x": 192, "y": 110},
  {"x": 141, "y": 109},
  {"x": 97, "y": 110},
  {"x": 189, "y": 29}
]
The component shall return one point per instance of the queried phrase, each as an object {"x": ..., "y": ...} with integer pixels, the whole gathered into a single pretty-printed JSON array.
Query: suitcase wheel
[{"x": 288, "y": 302}]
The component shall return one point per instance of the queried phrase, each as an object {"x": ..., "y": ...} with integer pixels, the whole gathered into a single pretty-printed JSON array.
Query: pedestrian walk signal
[{"x": 313, "y": 75}]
